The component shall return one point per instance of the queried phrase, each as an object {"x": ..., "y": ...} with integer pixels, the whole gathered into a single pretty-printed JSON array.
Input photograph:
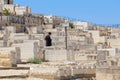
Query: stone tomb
[
  {"x": 20, "y": 36},
  {"x": 11, "y": 29},
  {"x": 55, "y": 55},
  {"x": 29, "y": 49},
  {"x": 59, "y": 54}
]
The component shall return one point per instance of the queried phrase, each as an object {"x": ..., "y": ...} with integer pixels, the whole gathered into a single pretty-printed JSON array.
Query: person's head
[{"x": 49, "y": 33}]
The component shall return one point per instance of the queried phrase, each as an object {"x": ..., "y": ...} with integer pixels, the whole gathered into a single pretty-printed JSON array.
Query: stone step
[
  {"x": 15, "y": 68},
  {"x": 14, "y": 76},
  {"x": 11, "y": 72}
]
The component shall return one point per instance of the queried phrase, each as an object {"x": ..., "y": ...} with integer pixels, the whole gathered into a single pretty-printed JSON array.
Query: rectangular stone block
[
  {"x": 12, "y": 29},
  {"x": 56, "y": 55},
  {"x": 9, "y": 60},
  {"x": 19, "y": 36},
  {"x": 8, "y": 56},
  {"x": 1, "y": 43},
  {"x": 4, "y": 55},
  {"x": 28, "y": 49},
  {"x": 5, "y": 62}
]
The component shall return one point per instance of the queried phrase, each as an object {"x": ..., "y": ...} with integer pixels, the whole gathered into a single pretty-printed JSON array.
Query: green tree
[
  {"x": 6, "y": 12},
  {"x": 71, "y": 25}
]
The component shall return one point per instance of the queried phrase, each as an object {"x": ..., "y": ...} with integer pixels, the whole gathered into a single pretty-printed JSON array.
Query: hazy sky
[{"x": 95, "y": 11}]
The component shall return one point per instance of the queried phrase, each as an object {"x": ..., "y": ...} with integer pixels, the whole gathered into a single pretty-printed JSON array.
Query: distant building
[
  {"x": 6, "y": 2},
  {"x": 22, "y": 10},
  {"x": 14, "y": 8},
  {"x": 82, "y": 25},
  {"x": 53, "y": 21}
]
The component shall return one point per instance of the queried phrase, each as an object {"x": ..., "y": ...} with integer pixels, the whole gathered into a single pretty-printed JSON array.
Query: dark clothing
[{"x": 48, "y": 40}]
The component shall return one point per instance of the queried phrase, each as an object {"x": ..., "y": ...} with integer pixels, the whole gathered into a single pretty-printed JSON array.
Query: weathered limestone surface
[
  {"x": 13, "y": 72},
  {"x": 8, "y": 59},
  {"x": 50, "y": 72},
  {"x": 1, "y": 43},
  {"x": 11, "y": 29},
  {"x": 96, "y": 36},
  {"x": 18, "y": 56},
  {"x": 55, "y": 55},
  {"x": 19, "y": 36},
  {"x": 60, "y": 71},
  {"x": 9, "y": 56},
  {"x": 28, "y": 49},
  {"x": 108, "y": 74},
  {"x": 114, "y": 42}
]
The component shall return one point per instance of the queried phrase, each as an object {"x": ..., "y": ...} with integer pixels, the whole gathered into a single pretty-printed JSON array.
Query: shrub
[
  {"x": 71, "y": 25},
  {"x": 6, "y": 12},
  {"x": 34, "y": 60}
]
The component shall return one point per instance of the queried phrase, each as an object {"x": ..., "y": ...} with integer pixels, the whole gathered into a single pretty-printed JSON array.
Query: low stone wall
[
  {"x": 60, "y": 71},
  {"x": 53, "y": 54},
  {"x": 51, "y": 73}
]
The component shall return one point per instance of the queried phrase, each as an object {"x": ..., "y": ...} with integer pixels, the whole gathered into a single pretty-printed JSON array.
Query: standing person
[{"x": 48, "y": 40}]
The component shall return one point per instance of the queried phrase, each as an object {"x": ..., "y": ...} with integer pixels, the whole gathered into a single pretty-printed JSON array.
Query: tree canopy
[{"x": 6, "y": 12}]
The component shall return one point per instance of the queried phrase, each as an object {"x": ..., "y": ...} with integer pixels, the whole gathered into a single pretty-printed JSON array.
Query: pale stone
[
  {"x": 8, "y": 60},
  {"x": 11, "y": 29},
  {"x": 4, "y": 55},
  {"x": 5, "y": 62},
  {"x": 56, "y": 55},
  {"x": 50, "y": 72},
  {"x": 27, "y": 49},
  {"x": 18, "y": 56}
]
